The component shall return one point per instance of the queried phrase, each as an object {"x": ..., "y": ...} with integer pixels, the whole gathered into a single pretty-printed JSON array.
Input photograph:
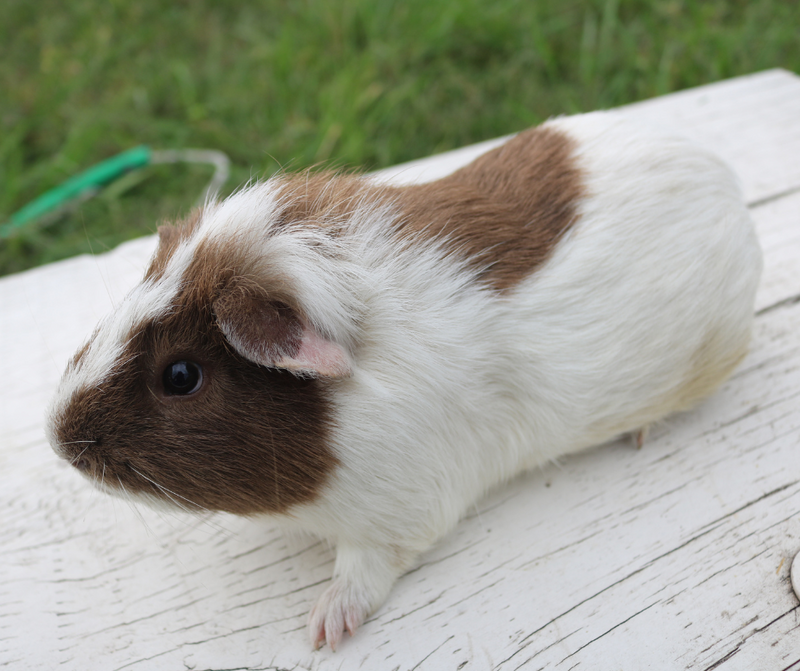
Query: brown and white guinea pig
[{"x": 365, "y": 361}]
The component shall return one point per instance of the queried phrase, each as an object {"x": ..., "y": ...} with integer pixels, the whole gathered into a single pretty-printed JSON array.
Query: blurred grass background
[{"x": 365, "y": 83}]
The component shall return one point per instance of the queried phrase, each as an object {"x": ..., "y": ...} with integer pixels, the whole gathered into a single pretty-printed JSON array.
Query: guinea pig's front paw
[
  {"x": 340, "y": 607},
  {"x": 362, "y": 577}
]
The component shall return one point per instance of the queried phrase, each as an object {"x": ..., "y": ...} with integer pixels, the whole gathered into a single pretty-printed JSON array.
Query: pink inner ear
[
  {"x": 318, "y": 356},
  {"x": 271, "y": 333}
]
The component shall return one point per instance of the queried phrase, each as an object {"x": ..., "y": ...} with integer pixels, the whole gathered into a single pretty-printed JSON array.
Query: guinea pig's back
[
  {"x": 642, "y": 307},
  {"x": 646, "y": 305}
]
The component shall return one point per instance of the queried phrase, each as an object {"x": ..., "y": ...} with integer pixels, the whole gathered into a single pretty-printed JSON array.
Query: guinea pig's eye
[{"x": 182, "y": 377}]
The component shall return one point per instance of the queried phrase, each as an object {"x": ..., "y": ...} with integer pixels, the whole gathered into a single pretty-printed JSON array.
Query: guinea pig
[{"x": 364, "y": 361}]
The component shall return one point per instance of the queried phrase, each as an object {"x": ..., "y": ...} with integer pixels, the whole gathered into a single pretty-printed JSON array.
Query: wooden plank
[
  {"x": 675, "y": 556},
  {"x": 749, "y": 121},
  {"x": 778, "y": 226},
  {"x": 578, "y": 541}
]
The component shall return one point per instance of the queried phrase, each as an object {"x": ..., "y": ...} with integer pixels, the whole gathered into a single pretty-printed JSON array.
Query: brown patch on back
[
  {"x": 506, "y": 211},
  {"x": 325, "y": 199}
]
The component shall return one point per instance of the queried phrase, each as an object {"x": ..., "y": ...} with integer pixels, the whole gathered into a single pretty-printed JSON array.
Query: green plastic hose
[{"x": 92, "y": 180}]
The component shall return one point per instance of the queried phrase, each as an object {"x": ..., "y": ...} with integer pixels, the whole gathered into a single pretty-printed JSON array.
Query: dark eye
[{"x": 182, "y": 378}]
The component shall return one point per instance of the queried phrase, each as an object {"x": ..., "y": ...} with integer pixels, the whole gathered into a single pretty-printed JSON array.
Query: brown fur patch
[
  {"x": 263, "y": 330},
  {"x": 169, "y": 237},
  {"x": 76, "y": 358},
  {"x": 325, "y": 199},
  {"x": 251, "y": 440},
  {"x": 504, "y": 213}
]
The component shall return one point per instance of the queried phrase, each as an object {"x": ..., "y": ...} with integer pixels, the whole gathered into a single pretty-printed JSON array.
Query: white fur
[
  {"x": 455, "y": 389},
  {"x": 644, "y": 308}
]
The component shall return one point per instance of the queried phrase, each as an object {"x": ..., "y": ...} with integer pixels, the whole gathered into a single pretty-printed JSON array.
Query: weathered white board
[{"x": 675, "y": 556}]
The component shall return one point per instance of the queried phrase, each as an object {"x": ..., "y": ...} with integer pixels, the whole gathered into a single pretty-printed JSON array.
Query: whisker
[
  {"x": 165, "y": 490},
  {"x": 275, "y": 466},
  {"x": 205, "y": 519},
  {"x": 173, "y": 499},
  {"x": 113, "y": 498},
  {"x": 132, "y": 503},
  {"x": 97, "y": 266},
  {"x": 129, "y": 499},
  {"x": 75, "y": 460},
  {"x": 170, "y": 495}
]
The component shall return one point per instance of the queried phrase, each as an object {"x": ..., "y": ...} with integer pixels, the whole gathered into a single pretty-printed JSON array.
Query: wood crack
[
  {"x": 414, "y": 610},
  {"x": 619, "y": 624},
  {"x": 417, "y": 665},
  {"x": 724, "y": 659},
  {"x": 711, "y": 526},
  {"x": 791, "y": 300},
  {"x": 754, "y": 204},
  {"x": 744, "y": 640},
  {"x": 273, "y": 596},
  {"x": 281, "y": 560}
]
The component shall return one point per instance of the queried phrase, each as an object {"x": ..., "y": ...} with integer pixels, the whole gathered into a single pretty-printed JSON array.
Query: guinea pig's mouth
[
  {"x": 83, "y": 456},
  {"x": 120, "y": 479},
  {"x": 125, "y": 481},
  {"x": 74, "y": 452},
  {"x": 133, "y": 487},
  {"x": 119, "y": 491},
  {"x": 95, "y": 470}
]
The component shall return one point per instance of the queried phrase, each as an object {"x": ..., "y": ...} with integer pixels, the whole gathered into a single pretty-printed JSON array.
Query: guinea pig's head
[{"x": 209, "y": 387}]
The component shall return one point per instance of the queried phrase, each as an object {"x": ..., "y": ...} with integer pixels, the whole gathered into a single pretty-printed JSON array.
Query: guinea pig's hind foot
[{"x": 362, "y": 578}]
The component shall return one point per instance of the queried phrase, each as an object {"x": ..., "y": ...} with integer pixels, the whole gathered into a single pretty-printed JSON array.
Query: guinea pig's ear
[{"x": 271, "y": 333}]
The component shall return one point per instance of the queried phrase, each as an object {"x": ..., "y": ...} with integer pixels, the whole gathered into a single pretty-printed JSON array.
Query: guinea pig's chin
[
  {"x": 149, "y": 500},
  {"x": 103, "y": 487}
]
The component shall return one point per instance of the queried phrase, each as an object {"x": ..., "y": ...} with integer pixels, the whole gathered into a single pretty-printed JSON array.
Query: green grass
[{"x": 351, "y": 82}]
